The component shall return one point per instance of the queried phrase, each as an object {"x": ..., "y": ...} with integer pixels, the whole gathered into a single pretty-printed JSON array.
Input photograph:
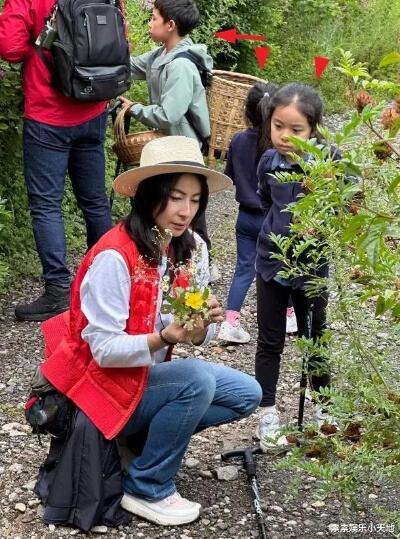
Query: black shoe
[{"x": 55, "y": 300}]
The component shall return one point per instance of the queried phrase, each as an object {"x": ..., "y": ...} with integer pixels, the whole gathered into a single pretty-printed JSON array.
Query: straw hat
[{"x": 169, "y": 155}]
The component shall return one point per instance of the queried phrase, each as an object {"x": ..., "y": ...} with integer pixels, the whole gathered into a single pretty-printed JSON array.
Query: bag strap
[
  {"x": 47, "y": 62},
  {"x": 190, "y": 56},
  {"x": 200, "y": 67}
]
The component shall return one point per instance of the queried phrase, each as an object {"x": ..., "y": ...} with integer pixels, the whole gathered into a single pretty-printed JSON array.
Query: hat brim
[{"x": 127, "y": 183}]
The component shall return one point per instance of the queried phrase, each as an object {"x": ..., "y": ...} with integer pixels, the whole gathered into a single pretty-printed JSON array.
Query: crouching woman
[{"x": 113, "y": 361}]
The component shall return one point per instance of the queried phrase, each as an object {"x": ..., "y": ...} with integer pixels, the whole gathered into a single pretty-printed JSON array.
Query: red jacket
[
  {"x": 21, "y": 21},
  {"x": 108, "y": 396}
]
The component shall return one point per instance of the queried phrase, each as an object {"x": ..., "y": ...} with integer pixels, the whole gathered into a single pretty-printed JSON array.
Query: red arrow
[
  {"x": 262, "y": 54},
  {"x": 320, "y": 63},
  {"x": 232, "y": 36}
]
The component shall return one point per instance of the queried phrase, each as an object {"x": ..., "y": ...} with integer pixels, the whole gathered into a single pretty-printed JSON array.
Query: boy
[
  {"x": 177, "y": 95},
  {"x": 178, "y": 99}
]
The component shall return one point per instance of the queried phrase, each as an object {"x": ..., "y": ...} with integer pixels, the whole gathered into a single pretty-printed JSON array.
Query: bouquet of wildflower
[{"x": 185, "y": 298}]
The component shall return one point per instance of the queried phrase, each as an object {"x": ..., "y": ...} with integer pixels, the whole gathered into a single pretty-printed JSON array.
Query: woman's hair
[
  {"x": 256, "y": 108},
  {"x": 307, "y": 101},
  {"x": 151, "y": 199}
]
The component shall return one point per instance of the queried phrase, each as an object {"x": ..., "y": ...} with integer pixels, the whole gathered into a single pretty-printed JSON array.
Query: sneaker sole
[
  {"x": 143, "y": 511},
  {"x": 276, "y": 449},
  {"x": 39, "y": 317},
  {"x": 236, "y": 341}
]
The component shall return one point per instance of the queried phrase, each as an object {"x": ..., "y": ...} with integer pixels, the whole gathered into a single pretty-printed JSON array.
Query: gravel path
[{"x": 289, "y": 500}]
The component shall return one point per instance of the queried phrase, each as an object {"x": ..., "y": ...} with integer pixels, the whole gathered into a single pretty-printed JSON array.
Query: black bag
[
  {"x": 47, "y": 411},
  {"x": 90, "y": 53},
  {"x": 80, "y": 483}
]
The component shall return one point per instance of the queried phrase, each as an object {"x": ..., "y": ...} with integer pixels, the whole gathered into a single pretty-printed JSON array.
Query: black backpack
[{"x": 90, "y": 52}]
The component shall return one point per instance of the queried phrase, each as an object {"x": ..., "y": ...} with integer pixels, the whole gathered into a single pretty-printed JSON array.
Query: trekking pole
[
  {"x": 304, "y": 366},
  {"x": 247, "y": 454}
]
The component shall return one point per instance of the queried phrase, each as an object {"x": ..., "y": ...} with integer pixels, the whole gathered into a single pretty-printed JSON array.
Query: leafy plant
[{"x": 349, "y": 215}]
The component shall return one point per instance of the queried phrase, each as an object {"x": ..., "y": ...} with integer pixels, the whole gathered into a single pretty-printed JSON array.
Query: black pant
[{"x": 272, "y": 301}]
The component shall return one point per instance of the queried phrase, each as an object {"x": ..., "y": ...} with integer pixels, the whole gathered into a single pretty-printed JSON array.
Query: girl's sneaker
[
  {"x": 268, "y": 425},
  {"x": 268, "y": 432},
  {"x": 234, "y": 334},
  {"x": 170, "y": 511},
  {"x": 291, "y": 321}
]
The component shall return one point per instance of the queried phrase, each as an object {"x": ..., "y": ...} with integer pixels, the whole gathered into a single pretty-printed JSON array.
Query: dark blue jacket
[
  {"x": 275, "y": 197},
  {"x": 241, "y": 167}
]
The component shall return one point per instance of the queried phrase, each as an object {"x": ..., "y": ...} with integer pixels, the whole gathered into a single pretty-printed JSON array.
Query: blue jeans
[
  {"x": 248, "y": 225},
  {"x": 182, "y": 397},
  {"x": 49, "y": 153}
]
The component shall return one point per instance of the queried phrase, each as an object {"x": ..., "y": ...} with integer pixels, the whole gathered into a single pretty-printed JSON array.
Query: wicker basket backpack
[{"x": 226, "y": 98}]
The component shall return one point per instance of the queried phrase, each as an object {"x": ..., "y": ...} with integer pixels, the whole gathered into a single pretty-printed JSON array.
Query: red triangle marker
[
  {"x": 227, "y": 35},
  {"x": 262, "y": 54},
  {"x": 320, "y": 63},
  {"x": 232, "y": 36}
]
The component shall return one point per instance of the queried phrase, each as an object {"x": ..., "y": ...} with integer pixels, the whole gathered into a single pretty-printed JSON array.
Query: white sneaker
[
  {"x": 170, "y": 511},
  {"x": 291, "y": 321},
  {"x": 268, "y": 426},
  {"x": 268, "y": 432},
  {"x": 233, "y": 334}
]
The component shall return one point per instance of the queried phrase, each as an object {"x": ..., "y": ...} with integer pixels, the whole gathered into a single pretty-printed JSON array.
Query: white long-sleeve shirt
[{"x": 105, "y": 293}]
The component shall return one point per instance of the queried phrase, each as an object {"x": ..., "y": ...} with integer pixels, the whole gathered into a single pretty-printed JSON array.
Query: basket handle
[{"x": 119, "y": 125}]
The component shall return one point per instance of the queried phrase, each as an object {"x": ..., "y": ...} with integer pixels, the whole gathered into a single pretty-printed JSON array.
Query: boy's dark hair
[
  {"x": 183, "y": 12},
  {"x": 152, "y": 196},
  {"x": 256, "y": 108},
  {"x": 308, "y": 102}
]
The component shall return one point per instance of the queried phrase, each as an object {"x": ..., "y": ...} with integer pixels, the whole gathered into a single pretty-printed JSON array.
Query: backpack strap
[
  {"x": 204, "y": 73},
  {"x": 47, "y": 62}
]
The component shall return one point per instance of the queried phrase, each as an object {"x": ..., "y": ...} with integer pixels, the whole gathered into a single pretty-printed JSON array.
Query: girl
[
  {"x": 243, "y": 156},
  {"x": 295, "y": 109},
  {"x": 241, "y": 166},
  {"x": 113, "y": 361}
]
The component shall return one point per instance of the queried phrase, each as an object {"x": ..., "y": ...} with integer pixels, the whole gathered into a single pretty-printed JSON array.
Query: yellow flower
[{"x": 194, "y": 300}]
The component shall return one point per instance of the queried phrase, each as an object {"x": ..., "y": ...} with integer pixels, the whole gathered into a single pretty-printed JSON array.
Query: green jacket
[{"x": 174, "y": 88}]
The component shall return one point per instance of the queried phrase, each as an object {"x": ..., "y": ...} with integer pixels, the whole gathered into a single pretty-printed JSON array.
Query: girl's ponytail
[{"x": 264, "y": 139}]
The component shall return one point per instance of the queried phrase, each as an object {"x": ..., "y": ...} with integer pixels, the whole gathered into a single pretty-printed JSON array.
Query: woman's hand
[
  {"x": 198, "y": 335},
  {"x": 175, "y": 333},
  {"x": 215, "y": 314}
]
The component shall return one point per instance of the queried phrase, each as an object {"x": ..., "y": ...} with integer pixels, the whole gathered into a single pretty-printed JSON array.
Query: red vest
[{"x": 108, "y": 396}]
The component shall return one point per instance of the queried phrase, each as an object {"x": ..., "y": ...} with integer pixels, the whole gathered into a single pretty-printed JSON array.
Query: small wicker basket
[
  {"x": 226, "y": 98},
  {"x": 128, "y": 147}
]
